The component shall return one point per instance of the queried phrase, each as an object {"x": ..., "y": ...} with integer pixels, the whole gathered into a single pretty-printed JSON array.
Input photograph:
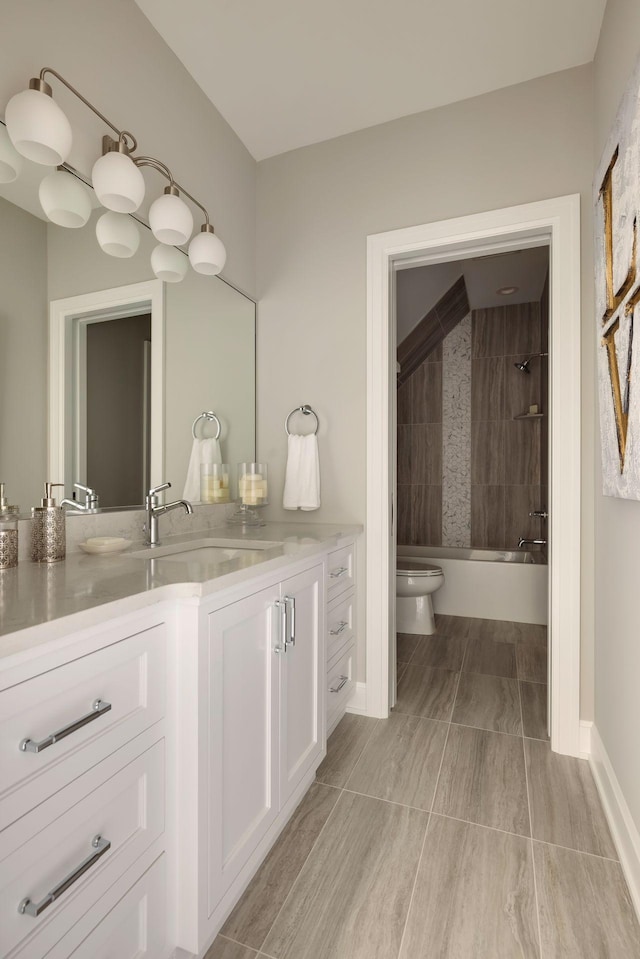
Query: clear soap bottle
[{"x": 48, "y": 529}]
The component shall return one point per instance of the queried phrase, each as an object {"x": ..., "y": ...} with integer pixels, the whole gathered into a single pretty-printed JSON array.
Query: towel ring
[
  {"x": 212, "y": 418},
  {"x": 307, "y": 412}
]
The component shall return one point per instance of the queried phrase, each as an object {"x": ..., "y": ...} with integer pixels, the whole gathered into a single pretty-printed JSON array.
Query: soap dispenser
[
  {"x": 48, "y": 531},
  {"x": 8, "y": 532},
  {"x": 4, "y": 504}
]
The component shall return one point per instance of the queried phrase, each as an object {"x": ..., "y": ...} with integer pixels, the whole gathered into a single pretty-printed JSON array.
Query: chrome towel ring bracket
[
  {"x": 307, "y": 411},
  {"x": 212, "y": 418}
]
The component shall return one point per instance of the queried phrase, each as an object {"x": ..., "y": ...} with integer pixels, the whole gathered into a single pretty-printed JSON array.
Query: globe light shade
[
  {"x": 38, "y": 128},
  {"x": 10, "y": 159},
  {"x": 118, "y": 183},
  {"x": 169, "y": 264},
  {"x": 117, "y": 234},
  {"x": 65, "y": 199},
  {"x": 207, "y": 253},
  {"x": 171, "y": 220}
]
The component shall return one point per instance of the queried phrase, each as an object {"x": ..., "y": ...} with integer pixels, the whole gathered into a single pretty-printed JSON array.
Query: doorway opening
[{"x": 552, "y": 224}]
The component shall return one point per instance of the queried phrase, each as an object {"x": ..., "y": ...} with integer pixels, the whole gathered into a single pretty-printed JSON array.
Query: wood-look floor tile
[
  {"x": 534, "y": 710},
  {"x": 444, "y": 652},
  {"x": 225, "y": 949},
  {"x": 490, "y": 657},
  {"x": 405, "y": 646},
  {"x": 531, "y": 662},
  {"x": 453, "y": 625},
  {"x": 505, "y": 631},
  {"x": 483, "y": 780},
  {"x": 474, "y": 896},
  {"x": 488, "y": 702},
  {"x": 352, "y": 897},
  {"x": 585, "y": 907},
  {"x": 344, "y": 746},
  {"x": 256, "y": 911},
  {"x": 401, "y": 761},
  {"x": 423, "y": 691},
  {"x": 565, "y": 806}
]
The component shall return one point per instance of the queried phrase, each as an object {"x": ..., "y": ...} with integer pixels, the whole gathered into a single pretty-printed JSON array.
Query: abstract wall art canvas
[{"x": 617, "y": 218}]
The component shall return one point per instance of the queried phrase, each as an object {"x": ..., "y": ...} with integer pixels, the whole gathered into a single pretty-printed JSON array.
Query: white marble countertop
[{"x": 40, "y": 602}]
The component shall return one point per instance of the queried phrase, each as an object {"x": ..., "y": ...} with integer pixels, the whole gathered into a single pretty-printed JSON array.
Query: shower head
[{"x": 524, "y": 366}]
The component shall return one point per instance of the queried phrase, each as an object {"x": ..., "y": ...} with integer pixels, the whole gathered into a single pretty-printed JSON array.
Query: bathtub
[{"x": 488, "y": 583}]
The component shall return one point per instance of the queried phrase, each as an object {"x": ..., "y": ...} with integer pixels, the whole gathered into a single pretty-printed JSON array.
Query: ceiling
[
  {"x": 287, "y": 73},
  {"x": 418, "y": 289}
]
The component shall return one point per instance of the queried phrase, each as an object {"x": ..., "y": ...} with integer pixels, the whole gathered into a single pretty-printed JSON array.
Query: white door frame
[
  {"x": 555, "y": 223},
  {"x": 145, "y": 297}
]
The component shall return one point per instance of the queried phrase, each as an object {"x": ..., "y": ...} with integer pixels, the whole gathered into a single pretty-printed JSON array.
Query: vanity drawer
[
  {"x": 340, "y": 684},
  {"x": 55, "y": 842},
  {"x": 132, "y": 929},
  {"x": 340, "y": 570},
  {"x": 129, "y": 676},
  {"x": 340, "y": 624}
]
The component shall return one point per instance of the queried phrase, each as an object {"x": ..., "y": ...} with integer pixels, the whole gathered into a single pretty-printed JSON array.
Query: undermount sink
[{"x": 205, "y": 550}]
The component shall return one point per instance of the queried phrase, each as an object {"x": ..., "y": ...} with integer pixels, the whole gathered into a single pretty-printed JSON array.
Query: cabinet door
[
  {"x": 243, "y": 734},
  {"x": 302, "y": 706}
]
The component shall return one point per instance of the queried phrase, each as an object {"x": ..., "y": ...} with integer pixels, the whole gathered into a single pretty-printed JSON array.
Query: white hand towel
[
  {"x": 302, "y": 478},
  {"x": 202, "y": 451}
]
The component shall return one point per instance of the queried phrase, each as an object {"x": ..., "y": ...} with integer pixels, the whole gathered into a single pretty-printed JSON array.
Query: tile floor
[{"x": 448, "y": 831}]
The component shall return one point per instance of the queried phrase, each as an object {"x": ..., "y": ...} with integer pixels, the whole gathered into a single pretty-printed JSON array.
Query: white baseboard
[
  {"x": 623, "y": 829},
  {"x": 585, "y": 738},
  {"x": 358, "y": 701}
]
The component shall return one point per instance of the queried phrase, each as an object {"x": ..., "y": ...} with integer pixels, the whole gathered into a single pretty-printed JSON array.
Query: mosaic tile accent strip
[{"x": 456, "y": 436}]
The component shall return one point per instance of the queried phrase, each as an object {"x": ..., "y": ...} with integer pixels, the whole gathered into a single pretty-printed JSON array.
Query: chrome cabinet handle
[
  {"x": 341, "y": 627},
  {"x": 281, "y": 646},
  {"x": 290, "y": 605},
  {"x": 336, "y": 689},
  {"x": 35, "y": 908},
  {"x": 98, "y": 709},
  {"x": 338, "y": 571}
]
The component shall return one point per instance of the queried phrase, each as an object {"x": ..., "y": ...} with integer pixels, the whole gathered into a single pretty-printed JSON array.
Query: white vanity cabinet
[
  {"x": 265, "y": 716},
  {"x": 83, "y": 791}
]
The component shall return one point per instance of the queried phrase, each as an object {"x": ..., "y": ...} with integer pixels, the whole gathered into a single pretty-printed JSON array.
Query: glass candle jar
[
  {"x": 214, "y": 483},
  {"x": 253, "y": 488}
]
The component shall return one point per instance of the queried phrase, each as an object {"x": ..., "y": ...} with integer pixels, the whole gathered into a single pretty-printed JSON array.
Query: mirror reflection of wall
[{"x": 209, "y": 348}]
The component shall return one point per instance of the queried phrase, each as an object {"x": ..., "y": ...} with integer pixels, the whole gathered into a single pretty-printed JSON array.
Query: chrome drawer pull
[
  {"x": 336, "y": 689},
  {"x": 35, "y": 908},
  {"x": 98, "y": 709},
  {"x": 281, "y": 645},
  {"x": 290, "y": 605},
  {"x": 341, "y": 626},
  {"x": 338, "y": 571}
]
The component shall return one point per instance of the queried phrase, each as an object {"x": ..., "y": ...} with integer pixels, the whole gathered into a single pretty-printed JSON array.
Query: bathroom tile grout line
[
  {"x": 533, "y": 861},
  {"x": 317, "y": 839}
]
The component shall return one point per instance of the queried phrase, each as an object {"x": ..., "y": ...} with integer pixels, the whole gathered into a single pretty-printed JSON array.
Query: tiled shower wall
[{"x": 468, "y": 472}]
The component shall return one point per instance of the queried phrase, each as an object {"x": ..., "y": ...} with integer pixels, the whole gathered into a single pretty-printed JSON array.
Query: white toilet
[{"x": 415, "y": 582}]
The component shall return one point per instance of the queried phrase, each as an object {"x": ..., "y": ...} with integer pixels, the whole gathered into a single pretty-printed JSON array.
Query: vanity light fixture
[
  {"x": 170, "y": 218},
  {"x": 39, "y": 130},
  {"x": 65, "y": 199},
  {"x": 117, "y": 181},
  {"x": 206, "y": 252},
  {"x": 168, "y": 263},
  {"x": 117, "y": 234},
  {"x": 10, "y": 159}
]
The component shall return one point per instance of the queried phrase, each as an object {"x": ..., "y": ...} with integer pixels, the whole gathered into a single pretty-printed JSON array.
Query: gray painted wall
[
  {"x": 316, "y": 207},
  {"x": 23, "y": 331}
]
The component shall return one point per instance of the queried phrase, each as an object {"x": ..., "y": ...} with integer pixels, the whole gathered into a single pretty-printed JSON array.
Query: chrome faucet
[
  {"x": 531, "y": 542},
  {"x": 155, "y": 510},
  {"x": 91, "y": 501}
]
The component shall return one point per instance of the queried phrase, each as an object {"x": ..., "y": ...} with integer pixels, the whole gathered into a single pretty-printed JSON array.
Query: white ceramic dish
[{"x": 105, "y": 544}]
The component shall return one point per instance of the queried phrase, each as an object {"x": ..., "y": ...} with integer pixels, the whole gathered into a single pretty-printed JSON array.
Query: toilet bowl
[{"x": 415, "y": 582}]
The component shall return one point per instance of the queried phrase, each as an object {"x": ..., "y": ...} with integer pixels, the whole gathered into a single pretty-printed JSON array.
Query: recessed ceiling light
[{"x": 507, "y": 290}]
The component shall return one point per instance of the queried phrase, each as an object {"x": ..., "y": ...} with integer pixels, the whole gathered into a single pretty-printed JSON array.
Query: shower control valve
[{"x": 539, "y": 513}]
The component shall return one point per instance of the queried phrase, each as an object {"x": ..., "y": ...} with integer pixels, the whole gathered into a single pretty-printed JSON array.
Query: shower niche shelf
[{"x": 529, "y": 416}]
